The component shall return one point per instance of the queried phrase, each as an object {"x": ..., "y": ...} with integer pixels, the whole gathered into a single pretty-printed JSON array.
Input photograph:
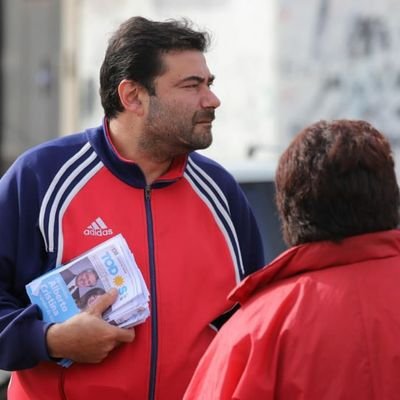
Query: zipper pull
[{"x": 147, "y": 192}]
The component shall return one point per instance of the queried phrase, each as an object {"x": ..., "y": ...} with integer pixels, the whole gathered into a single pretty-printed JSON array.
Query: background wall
[
  {"x": 339, "y": 59},
  {"x": 30, "y": 74}
]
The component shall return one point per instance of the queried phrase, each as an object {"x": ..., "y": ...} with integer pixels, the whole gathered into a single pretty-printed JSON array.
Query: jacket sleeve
[
  {"x": 22, "y": 258},
  {"x": 229, "y": 371},
  {"x": 248, "y": 233},
  {"x": 218, "y": 372},
  {"x": 246, "y": 358},
  {"x": 260, "y": 352}
]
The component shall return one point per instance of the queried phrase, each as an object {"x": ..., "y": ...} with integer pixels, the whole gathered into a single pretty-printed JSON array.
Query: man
[
  {"x": 184, "y": 217},
  {"x": 85, "y": 279},
  {"x": 321, "y": 321}
]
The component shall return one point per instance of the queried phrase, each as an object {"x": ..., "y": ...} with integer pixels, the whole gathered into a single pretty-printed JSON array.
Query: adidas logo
[{"x": 97, "y": 228}]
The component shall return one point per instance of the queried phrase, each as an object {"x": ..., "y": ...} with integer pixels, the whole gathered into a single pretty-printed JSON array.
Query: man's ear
[{"x": 132, "y": 95}]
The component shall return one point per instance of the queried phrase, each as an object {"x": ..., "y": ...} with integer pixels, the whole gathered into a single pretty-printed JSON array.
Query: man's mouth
[{"x": 204, "y": 117}]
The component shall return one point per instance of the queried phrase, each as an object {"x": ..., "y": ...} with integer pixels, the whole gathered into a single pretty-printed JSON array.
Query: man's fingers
[
  {"x": 126, "y": 335},
  {"x": 122, "y": 335},
  {"x": 103, "y": 302}
]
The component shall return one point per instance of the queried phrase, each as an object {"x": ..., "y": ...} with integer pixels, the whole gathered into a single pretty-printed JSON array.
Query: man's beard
[{"x": 170, "y": 130}]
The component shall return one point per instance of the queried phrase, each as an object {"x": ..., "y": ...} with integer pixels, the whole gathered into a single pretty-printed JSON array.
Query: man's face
[
  {"x": 86, "y": 279},
  {"x": 180, "y": 114}
]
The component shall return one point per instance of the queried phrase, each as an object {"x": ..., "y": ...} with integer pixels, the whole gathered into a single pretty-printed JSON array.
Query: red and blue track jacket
[{"x": 193, "y": 236}]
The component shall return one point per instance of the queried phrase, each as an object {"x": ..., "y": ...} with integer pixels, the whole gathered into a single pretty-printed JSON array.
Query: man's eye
[{"x": 194, "y": 85}]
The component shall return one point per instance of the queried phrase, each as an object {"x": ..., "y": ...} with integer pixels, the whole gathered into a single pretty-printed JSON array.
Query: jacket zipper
[{"x": 153, "y": 295}]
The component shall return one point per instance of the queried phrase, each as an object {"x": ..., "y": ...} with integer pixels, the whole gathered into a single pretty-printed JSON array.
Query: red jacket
[{"x": 321, "y": 322}]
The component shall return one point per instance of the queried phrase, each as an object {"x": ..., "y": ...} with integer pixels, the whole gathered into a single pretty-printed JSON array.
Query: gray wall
[{"x": 30, "y": 64}]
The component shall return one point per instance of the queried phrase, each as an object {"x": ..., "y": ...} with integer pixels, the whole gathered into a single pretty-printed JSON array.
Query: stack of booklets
[{"x": 67, "y": 290}]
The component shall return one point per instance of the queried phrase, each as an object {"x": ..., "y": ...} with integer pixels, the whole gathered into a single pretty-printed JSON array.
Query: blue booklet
[
  {"x": 69, "y": 289},
  {"x": 53, "y": 297}
]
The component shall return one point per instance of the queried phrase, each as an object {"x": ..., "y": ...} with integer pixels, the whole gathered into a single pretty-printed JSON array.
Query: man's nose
[{"x": 210, "y": 100}]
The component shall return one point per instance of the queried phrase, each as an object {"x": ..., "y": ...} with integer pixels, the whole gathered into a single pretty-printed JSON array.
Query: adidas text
[{"x": 98, "y": 232}]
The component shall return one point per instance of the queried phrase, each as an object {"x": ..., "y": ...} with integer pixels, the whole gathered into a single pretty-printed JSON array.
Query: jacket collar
[
  {"x": 126, "y": 170},
  {"x": 320, "y": 255}
]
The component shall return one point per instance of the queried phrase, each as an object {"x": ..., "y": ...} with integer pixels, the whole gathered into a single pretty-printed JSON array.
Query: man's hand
[{"x": 86, "y": 337}]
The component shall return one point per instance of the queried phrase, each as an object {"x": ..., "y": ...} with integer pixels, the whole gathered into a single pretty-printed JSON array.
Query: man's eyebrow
[{"x": 198, "y": 79}]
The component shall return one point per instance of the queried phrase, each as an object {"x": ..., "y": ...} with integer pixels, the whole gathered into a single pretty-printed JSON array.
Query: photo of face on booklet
[{"x": 81, "y": 282}]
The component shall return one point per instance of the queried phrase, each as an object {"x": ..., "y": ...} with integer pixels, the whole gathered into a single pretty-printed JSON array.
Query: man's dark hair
[
  {"x": 335, "y": 180},
  {"x": 135, "y": 53}
]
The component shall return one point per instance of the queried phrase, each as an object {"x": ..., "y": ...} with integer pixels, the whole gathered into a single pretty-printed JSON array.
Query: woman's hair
[
  {"x": 336, "y": 179},
  {"x": 82, "y": 302}
]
